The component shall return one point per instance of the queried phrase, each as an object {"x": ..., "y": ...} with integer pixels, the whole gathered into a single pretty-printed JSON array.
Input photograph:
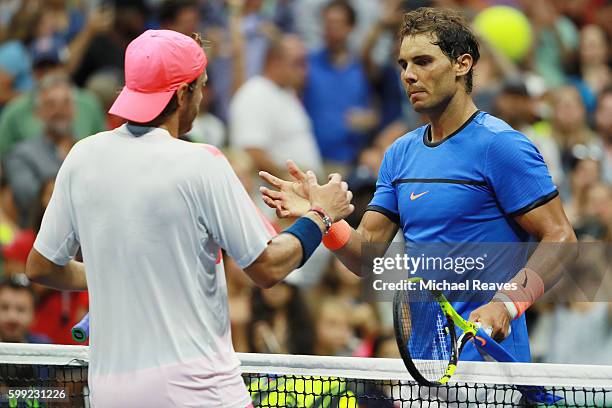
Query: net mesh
[{"x": 306, "y": 381}]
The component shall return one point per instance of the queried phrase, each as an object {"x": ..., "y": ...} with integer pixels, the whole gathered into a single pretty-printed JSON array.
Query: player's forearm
[
  {"x": 557, "y": 250},
  {"x": 375, "y": 230},
  {"x": 283, "y": 255},
  {"x": 68, "y": 277},
  {"x": 350, "y": 254}
]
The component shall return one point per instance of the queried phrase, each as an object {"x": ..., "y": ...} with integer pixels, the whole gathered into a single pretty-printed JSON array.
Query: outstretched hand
[
  {"x": 290, "y": 198},
  {"x": 334, "y": 197}
]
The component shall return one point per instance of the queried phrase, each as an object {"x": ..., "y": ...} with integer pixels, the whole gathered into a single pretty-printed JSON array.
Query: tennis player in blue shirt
[{"x": 466, "y": 176}]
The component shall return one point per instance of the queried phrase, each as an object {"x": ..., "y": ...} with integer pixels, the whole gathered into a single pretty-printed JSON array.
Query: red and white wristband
[{"x": 529, "y": 288}]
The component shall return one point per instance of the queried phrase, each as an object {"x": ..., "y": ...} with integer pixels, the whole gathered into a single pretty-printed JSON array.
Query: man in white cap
[{"x": 151, "y": 214}]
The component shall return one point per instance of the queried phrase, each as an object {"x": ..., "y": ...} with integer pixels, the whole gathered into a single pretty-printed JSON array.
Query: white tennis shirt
[{"x": 151, "y": 214}]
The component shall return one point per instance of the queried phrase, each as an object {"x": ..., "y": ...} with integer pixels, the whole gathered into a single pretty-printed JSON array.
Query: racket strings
[
  {"x": 442, "y": 328},
  {"x": 426, "y": 333}
]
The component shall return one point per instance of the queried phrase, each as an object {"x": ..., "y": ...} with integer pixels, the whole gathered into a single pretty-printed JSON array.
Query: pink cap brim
[{"x": 140, "y": 107}]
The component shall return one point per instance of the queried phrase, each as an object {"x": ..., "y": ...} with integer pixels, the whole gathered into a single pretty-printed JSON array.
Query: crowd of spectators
[{"x": 315, "y": 81}]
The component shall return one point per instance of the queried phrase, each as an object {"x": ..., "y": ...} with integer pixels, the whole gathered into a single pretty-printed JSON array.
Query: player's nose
[{"x": 408, "y": 76}]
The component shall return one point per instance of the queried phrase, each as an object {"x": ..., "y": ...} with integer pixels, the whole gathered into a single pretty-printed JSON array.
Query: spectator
[
  {"x": 17, "y": 312},
  {"x": 385, "y": 346},
  {"x": 515, "y": 106},
  {"x": 583, "y": 177},
  {"x": 66, "y": 21},
  {"x": 384, "y": 75},
  {"x": 15, "y": 63},
  {"x": 16, "y": 253},
  {"x": 104, "y": 85},
  {"x": 241, "y": 37},
  {"x": 603, "y": 122},
  {"x": 596, "y": 222},
  {"x": 19, "y": 120},
  {"x": 278, "y": 129},
  {"x": 8, "y": 9},
  {"x": 106, "y": 49},
  {"x": 56, "y": 311},
  {"x": 555, "y": 41},
  {"x": 337, "y": 93},
  {"x": 9, "y": 219},
  {"x": 99, "y": 22},
  {"x": 342, "y": 285},
  {"x": 570, "y": 128},
  {"x": 207, "y": 127},
  {"x": 281, "y": 322},
  {"x": 592, "y": 70},
  {"x": 308, "y": 25},
  {"x": 179, "y": 15},
  {"x": 334, "y": 334},
  {"x": 33, "y": 161}
]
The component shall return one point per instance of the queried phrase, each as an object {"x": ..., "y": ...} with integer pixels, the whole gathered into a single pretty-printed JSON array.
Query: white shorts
[{"x": 169, "y": 386}]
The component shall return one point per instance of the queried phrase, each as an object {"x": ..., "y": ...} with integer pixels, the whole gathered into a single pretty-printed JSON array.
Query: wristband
[
  {"x": 529, "y": 288},
  {"x": 338, "y": 236},
  {"x": 326, "y": 218},
  {"x": 512, "y": 310},
  {"x": 308, "y": 233}
]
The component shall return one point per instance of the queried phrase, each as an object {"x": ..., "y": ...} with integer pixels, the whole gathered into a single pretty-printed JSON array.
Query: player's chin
[{"x": 419, "y": 107}]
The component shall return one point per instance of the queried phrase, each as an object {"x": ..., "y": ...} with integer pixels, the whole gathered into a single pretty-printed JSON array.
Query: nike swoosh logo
[
  {"x": 525, "y": 281},
  {"x": 415, "y": 196}
]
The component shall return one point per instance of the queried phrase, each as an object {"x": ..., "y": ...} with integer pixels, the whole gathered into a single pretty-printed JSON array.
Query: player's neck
[
  {"x": 172, "y": 125},
  {"x": 454, "y": 114}
]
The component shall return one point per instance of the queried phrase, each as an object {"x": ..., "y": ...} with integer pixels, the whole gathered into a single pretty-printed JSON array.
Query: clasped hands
[{"x": 295, "y": 197}]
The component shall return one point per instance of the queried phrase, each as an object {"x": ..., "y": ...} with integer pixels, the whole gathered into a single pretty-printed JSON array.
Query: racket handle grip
[{"x": 80, "y": 331}]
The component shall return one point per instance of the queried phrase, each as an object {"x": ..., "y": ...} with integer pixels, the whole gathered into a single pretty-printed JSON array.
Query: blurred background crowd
[{"x": 315, "y": 81}]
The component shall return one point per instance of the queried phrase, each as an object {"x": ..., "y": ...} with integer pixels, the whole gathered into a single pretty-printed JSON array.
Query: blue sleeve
[
  {"x": 385, "y": 197},
  {"x": 517, "y": 173}
]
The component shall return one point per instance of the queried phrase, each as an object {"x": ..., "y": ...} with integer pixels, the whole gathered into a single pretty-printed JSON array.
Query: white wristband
[{"x": 512, "y": 310}]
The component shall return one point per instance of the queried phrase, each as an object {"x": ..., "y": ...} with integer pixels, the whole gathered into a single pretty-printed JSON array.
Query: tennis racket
[{"x": 427, "y": 333}]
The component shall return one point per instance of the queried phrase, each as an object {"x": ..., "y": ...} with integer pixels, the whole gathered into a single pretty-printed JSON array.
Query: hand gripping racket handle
[
  {"x": 494, "y": 349},
  {"x": 80, "y": 331}
]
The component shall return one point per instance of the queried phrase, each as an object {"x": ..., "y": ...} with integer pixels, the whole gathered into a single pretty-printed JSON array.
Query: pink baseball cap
[{"x": 156, "y": 64}]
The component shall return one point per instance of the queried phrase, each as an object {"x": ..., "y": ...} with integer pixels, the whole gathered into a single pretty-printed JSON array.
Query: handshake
[{"x": 296, "y": 197}]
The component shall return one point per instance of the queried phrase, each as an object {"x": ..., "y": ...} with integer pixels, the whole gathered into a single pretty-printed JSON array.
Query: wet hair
[{"x": 451, "y": 31}]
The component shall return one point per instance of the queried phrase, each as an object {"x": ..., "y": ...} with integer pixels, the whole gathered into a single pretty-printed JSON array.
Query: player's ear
[
  {"x": 463, "y": 64},
  {"x": 181, "y": 94}
]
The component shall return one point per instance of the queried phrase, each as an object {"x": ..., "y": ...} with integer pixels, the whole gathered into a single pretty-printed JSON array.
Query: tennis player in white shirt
[{"x": 151, "y": 214}]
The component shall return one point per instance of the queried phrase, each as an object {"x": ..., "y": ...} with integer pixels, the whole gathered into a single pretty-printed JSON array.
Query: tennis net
[{"x": 325, "y": 382}]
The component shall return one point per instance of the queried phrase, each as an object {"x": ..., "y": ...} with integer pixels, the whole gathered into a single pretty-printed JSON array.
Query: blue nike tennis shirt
[{"x": 465, "y": 189}]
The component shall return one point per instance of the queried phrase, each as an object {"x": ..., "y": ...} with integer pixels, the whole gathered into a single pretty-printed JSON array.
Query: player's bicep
[
  {"x": 57, "y": 239},
  {"x": 546, "y": 220},
  {"x": 38, "y": 265}
]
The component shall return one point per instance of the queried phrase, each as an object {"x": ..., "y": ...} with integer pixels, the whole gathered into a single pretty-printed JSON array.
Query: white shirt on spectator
[
  {"x": 266, "y": 116},
  {"x": 151, "y": 214}
]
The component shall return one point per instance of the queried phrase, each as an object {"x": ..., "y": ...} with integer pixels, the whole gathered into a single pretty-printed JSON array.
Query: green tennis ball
[{"x": 506, "y": 29}]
